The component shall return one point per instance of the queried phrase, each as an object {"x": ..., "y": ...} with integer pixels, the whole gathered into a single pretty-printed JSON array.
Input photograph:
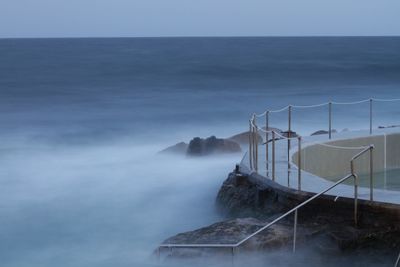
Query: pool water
[{"x": 388, "y": 180}]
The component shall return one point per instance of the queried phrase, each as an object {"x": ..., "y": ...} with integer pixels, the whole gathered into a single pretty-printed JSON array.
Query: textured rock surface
[
  {"x": 202, "y": 147},
  {"x": 233, "y": 231},
  {"x": 248, "y": 196},
  {"x": 256, "y": 203},
  {"x": 241, "y": 196}
]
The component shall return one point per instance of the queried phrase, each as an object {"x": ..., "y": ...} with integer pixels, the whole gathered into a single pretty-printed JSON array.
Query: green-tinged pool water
[{"x": 388, "y": 179}]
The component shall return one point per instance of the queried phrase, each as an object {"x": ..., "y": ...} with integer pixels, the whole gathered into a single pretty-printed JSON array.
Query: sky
[{"x": 148, "y": 18}]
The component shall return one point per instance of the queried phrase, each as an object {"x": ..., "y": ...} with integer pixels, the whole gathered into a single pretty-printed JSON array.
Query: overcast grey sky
[{"x": 79, "y": 18}]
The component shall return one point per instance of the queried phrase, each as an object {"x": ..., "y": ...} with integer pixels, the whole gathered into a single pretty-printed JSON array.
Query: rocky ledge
[
  {"x": 233, "y": 231},
  {"x": 252, "y": 203}
]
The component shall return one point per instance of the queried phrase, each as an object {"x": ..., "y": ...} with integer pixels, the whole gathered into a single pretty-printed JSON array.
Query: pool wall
[{"x": 332, "y": 159}]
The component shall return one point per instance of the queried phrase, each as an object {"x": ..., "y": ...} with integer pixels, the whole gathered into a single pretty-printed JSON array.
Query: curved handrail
[{"x": 253, "y": 158}]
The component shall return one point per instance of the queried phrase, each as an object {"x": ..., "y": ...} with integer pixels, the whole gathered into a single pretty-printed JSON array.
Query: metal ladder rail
[{"x": 293, "y": 210}]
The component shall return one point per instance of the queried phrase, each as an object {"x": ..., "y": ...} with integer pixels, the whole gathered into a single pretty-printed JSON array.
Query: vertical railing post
[
  {"x": 370, "y": 116},
  {"x": 252, "y": 142},
  {"x": 289, "y": 119},
  {"x": 289, "y": 129},
  {"x": 295, "y": 231},
  {"x": 253, "y": 136},
  {"x": 273, "y": 155},
  {"x": 288, "y": 142},
  {"x": 266, "y": 141},
  {"x": 233, "y": 257},
  {"x": 299, "y": 164},
  {"x": 256, "y": 146},
  {"x": 355, "y": 199},
  {"x": 330, "y": 120},
  {"x": 250, "y": 145},
  {"x": 355, "y": 191},
  {"x": 371, "y": 173}
]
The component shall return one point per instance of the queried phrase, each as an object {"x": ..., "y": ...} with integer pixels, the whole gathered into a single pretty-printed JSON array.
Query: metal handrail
[
  {"x": 253, "y": 146},
  {"x": 330, "y": 113},
  {"x": 253, "y": 158},
  {"x": 370, "y": 148},
  {"x": 397, "y": 261},
  {"x": 293, "y": 210}
]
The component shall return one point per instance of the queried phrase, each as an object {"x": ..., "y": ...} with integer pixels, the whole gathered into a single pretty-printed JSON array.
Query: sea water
[{"x": 82, "y": 120}]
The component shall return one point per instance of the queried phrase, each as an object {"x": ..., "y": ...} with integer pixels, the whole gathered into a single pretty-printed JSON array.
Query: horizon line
[{"x": 200, "y": 36}]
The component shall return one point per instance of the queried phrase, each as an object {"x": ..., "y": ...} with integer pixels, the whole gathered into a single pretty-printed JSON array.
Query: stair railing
[{"x": 294, "y": 210}]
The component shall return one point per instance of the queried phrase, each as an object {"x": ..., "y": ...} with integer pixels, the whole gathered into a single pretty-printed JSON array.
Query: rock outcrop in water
[
  {"x": 233, "y": 231},
  {"x": 202, "y": 147},
  {"x": 320, "y": 132}
]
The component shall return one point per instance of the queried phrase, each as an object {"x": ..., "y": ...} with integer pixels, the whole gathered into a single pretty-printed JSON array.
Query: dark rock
[
  {"x": 290, "y": 134},
  {"x": 345, "y": 237},
  {"x": 256, "y": 196},
  {"x": 389, "y": 126},
  {"x": 243, "y": 196},
  {"x": 322, "y": 227},
  {"x": 203, "y": 147},
  {"x": 233, "y": 231},
  {"x": 179, "y": 148},
  {"x": 322, "y": 132}
]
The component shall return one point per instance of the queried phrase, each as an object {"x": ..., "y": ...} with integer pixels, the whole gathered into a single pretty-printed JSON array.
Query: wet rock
[
  {"x": 252, "y": 196},
  {"x": 202, "y": 147},
  {"x": 320, "y": 132},
  {"x": 233, "y": 231},
  {"x": 346, "y": 238},
  {"x": 389, "y": 126},
  {"x": 243, "y": 196},
  {"x": 179, "y": 148},
  {"x": 324, "y": 232},
  {"x": 290, "y": 134}
]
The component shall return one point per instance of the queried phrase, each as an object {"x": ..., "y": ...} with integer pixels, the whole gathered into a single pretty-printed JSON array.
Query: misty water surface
[{"x": 82, "y": 120}]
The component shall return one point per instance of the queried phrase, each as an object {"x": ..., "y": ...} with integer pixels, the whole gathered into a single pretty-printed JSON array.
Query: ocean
[{"x": 82, "y": 120}]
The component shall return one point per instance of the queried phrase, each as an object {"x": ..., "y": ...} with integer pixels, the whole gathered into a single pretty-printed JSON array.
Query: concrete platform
[{"x": 286, "y": 172}]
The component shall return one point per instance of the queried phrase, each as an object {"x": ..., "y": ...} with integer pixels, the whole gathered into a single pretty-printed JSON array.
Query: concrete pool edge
[
  {"x": 371, "y": 214},
  {"x": 313, "y": 183}
]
